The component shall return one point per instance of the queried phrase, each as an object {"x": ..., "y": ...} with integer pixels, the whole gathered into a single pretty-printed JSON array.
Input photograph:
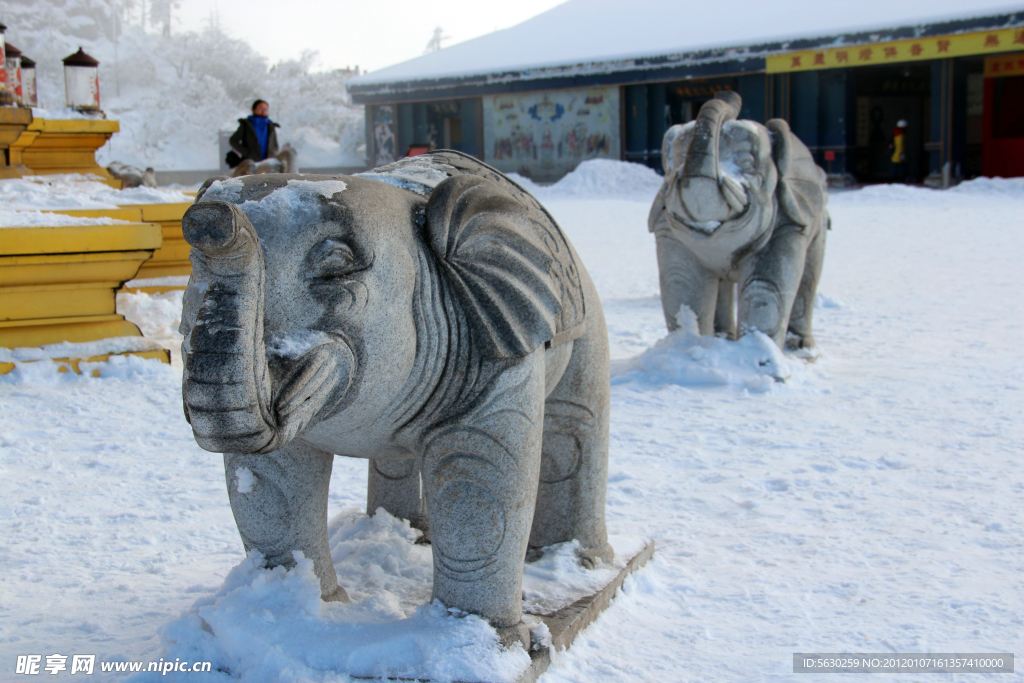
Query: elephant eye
[
  {"x": 746, "y": 162},
  {"x": 332, "y": 258}
]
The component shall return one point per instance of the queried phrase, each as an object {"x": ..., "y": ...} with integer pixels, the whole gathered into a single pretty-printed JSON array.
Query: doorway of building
[{"x": 885, "y": 96}]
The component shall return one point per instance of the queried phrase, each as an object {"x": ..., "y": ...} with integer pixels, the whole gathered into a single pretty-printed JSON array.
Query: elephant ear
[
  {"x": 801, "y": 190},
  {"x": 494, "y": 258}
]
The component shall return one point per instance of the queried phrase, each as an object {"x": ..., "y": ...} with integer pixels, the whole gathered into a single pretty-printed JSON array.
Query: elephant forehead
[
  {"x": 737, "y": 133},
  {"x": 285, "y": 207}
]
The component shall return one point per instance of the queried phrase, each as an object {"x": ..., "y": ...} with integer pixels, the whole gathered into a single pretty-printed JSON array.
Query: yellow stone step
[
  {"x": 169, "y": 260},
  {"x": 58, "y": 284}
]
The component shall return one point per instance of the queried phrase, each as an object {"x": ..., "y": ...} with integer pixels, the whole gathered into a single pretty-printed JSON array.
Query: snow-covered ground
[{"x": 871, "y": 503}]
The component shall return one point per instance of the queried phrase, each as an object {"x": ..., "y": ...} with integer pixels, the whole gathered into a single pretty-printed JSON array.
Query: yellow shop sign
[
  {"x": 912, "y": 50},
  {"x": 1005, "y": 65}
]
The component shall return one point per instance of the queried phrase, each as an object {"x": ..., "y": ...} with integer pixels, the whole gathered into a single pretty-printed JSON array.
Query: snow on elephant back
[
  {"x": 740, "y": 223},
  {"x": 428, "y": 315}
]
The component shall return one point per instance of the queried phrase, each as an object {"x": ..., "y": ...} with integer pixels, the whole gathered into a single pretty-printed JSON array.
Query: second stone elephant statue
[
  {"x": 740, "y": 223},
  {"x": 430, "y": 316}
]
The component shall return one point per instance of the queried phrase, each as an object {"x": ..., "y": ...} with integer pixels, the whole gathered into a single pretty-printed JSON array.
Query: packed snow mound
[
  {"x": 989, "y": 186},
  {"x": 38, "y": 219},
  {"x": 599, "y": 178},
  {"x": 77, "y": 191},
  {"x": 753, "y": 363},
  {"x": 269, "y": 624},
  {"x": 557, "y": 579},
  {"x": 978, "y": 188},
  {"x": 66, "y": 114},
  {"x": 54, "y": 373}
]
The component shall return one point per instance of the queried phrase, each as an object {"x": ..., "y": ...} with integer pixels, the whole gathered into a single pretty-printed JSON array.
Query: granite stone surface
[
  {"x": 429, "y": 316},
  {"x": 740, "y": 225}
]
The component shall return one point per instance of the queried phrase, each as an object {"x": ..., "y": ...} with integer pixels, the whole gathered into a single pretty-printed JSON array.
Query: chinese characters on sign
[
  {"x": 934, "y": 47},
  {"x": 1005, "y": 65}
]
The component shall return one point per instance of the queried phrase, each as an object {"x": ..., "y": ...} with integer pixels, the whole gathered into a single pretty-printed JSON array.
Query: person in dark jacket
[{"x": 256, "y": 137}]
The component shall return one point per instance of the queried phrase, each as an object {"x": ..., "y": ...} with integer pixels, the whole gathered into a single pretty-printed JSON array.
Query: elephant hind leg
[
  {"x": 800, "y": 332},
  {"x": 574, "y": 457},
  {"x": 395, "y": 486}
]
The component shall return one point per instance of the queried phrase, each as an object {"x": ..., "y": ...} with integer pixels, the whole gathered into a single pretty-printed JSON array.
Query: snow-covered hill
[{"x": 173, "y": 94}]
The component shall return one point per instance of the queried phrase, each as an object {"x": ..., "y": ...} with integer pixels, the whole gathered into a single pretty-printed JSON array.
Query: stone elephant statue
[
  {"x": 742, "y": 208},
  {"x": 430, "y": 316}
]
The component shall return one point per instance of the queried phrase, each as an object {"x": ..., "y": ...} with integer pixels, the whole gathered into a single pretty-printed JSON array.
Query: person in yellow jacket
[{"x": 899, "y": 156}]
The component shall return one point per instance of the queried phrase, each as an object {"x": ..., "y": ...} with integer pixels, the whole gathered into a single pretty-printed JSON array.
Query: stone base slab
[
  {"x": 569, "y": 622},
  {"x": 566, "y": 623}
]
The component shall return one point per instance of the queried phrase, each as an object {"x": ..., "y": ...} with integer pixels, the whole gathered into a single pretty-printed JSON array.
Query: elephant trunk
[
  {"x": 707, "y": 195},
  {"x": 226, "y": 387}
]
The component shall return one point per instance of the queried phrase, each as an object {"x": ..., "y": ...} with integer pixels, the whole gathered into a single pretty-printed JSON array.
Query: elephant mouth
[
  {"x": 312, "y": 371},
  {"x": 709, "y": 227}
]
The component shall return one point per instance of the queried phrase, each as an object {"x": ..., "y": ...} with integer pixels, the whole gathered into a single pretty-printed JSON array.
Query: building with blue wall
[{"x": 605, "y": 79}]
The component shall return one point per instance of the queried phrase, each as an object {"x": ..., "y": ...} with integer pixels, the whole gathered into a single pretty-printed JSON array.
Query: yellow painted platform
[
  {"x": 169, "y": 260},
  {"x": 153, "y": 289},
  {"x": 58, "y": 283},
  {"x": 172, "y": 258},
  {"x": 50, "y": 146},
  {"x": 14, "y": 121}
]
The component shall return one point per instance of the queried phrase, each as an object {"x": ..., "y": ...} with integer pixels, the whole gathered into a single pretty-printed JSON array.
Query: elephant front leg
[
  {"x": 769, "y": 282},
  {"x": 685, "y": 282},
  {"x": 395, "y": 486},
  {"x": 480, "y": 477},
  {"x": 279, "y": 501},
  {"x": 725, "y": 310}
]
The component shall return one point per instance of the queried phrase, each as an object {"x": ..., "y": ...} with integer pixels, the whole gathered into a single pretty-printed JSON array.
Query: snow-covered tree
[{"x": 173, "y": 93}]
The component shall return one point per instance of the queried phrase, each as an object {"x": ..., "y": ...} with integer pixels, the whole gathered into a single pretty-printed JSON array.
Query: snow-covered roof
[{"x": 579, "y": 34}]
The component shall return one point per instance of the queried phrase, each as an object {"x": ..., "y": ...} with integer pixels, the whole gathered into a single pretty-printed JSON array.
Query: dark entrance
[
  {"x": 886, "y": 94},
  {"x": 649, "y": 109},
  {"x": 443, "y": 124}
]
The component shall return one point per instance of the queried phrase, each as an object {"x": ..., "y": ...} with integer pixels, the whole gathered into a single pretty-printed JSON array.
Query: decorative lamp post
[
  {"x": 5, "y": 97},
  {"x": 82, "y": 81},
  {"x": 29, "y": 92},
  {"x": 12, "y": 65}
]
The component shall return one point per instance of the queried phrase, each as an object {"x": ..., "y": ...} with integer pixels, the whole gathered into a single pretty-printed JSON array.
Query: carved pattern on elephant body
[
  {"x": 561, "y": 267},
  {"x": 562, "y": 450},
  {"x": 457, "y": 465},
  {"x": 463, "y": 413},
  {"x": 394, "y": 469}
]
